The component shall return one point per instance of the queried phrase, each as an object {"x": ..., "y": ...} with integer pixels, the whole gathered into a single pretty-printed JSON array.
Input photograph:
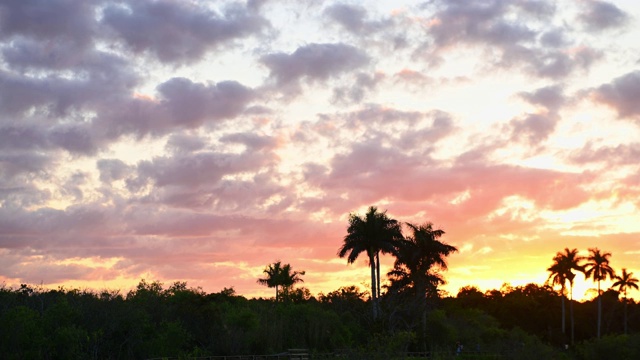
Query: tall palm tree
[
  {"x": 273, "y": 277},
  {"x": 558, "y": 276},
  {"x": 415, "y": 270},
  {"x": 372, "y": 234},
  {"x": 561, "y": 273},
  {"x": 623, "y": 283},
  {"x": 572, "y": 262},
  {"x": 597, "y": 267}
]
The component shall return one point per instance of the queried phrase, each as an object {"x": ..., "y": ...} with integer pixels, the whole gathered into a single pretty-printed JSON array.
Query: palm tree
[
  {"x": 598, "y": 268},
  {"x": 279, "y": 275},
  {"x": 288, "y": 278},
  {"x": 561, "y": 272},
  {"x": 558, "y": 276},
  {"x": 372, "y": 234},
  {"x": 418, "y": 257},
  {"x": 274, "y": 276},
  {"x": 623, "y": 283}
]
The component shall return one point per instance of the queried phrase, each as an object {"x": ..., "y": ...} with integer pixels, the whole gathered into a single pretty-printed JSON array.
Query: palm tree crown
[
  {"x": 561, "y": 269},
  {"x": 418, "y": 257},
  {"x": 597, "y": 266},
  {"x": 625, "y": 282},
  {"x": 288, "y": 278},
  {"x": 280, "y": 275}
]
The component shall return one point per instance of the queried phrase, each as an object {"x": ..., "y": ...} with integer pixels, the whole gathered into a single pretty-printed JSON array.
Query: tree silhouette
[
  {"x": 561, "y": 272},
  {"x": 288, "y": 278},
  {"x": 273, "y": 277},
  {"x": 597, "y": 267},
  {"x": 372, "y": 234},
  {"x": 623, "y": 283},
  {"x": 419, "y": 258}
]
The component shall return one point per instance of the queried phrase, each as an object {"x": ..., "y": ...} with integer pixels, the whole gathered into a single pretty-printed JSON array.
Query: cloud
[
  {"x": 623, "y": 154},
  {"x": 55, "y": 95},
  {"x": 550, "y": 97},
  {"x": 112, "y": 170},
  {"x": 353, "y": 18},
  {"x": 182, "y": 104},
  {"x": 185, "y": 143},
  {"x": 192, "y": 170},
  {"x": 621, "y": 95},
  {"x": 602, "y": 15},
  {"x": 23, "y": 164},
  {"x": 355, "y": 93},
  {"x": 178, "y": 32},
  {"x": 205, "y": 178},
  {"x": 69, "y": 21},
  {"x": 459, "y": 21},
  {"x": 490, "y": 28},
  {"x": 535, "y": 128},
  {"x": 312, "y": 62}
]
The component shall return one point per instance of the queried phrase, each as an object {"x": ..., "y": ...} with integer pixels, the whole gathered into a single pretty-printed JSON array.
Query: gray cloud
[
  {"x": 74, "y": 138},
  {"x": 178, "y": 32},
  {"x": 621, "y": 94},
  {"x": 601, "y": 15},
  {"x": 551, "y": 97},
  {"x": 355, "y": 93},
  {"x": 506, "y": 42},
  {"x": 535, "y": 128},
  {"x": 70, "y": 21},
  {"x": 353, "y": 18},
  {"x": 313, "y": 62},
  {"x": 203, "y": 168},
  {"x": 17, "y": 164},
  {"x": 183, "y": 104},
  {"x": 477, "y": 22},
  {"x": 56, "y": 95},
  {"x": 112, "y": 170},
  {"x": 623, "y": 154},
  {"x": 184, "y": 143}
]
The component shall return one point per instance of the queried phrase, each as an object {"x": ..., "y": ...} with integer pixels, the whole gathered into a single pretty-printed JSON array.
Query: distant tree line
[{"x": 177, "y": 321}]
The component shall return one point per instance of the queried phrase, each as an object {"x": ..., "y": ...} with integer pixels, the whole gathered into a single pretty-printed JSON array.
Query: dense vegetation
[
  {"x": 152, "y": 321},
  {"x": 411, "y": 315}
]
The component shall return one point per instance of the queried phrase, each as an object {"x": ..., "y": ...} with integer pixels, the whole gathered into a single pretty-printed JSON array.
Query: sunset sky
[{"x": 200, "y": 141}]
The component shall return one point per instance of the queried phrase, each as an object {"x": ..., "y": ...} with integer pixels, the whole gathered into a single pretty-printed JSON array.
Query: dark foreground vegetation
[
  {"x": 411, "y": 315},
  {"x": 177, "y": 321}
]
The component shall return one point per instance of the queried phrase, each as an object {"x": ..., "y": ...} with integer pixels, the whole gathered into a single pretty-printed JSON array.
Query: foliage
[{"x": 620, "y": 347}]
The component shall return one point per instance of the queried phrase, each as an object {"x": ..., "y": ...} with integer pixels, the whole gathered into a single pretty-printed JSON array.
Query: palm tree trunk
[
  {"x": 626, "y": 325},
  {"x": 424, "y": 329},
  {"x": 277, "y": 293},
  {"x": 571, "y": 315},
  {"x": 563, "y": 316},
  {"x": 374, "y": 301},
  {"x": 378, "y": 280},
  {"x": 599, "y": 309},
  {"x": 378, "y": 271}
]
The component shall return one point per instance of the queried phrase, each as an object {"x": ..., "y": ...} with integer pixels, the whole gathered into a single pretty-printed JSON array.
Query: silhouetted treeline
[{"x": 178, "y": 321}]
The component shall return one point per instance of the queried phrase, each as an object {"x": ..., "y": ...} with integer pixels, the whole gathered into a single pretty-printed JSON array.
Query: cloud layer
[{"x": 200, "y": 142}]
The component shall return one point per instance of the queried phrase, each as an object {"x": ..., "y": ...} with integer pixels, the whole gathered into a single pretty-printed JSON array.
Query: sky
[{"x": 199, "y": 141}]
